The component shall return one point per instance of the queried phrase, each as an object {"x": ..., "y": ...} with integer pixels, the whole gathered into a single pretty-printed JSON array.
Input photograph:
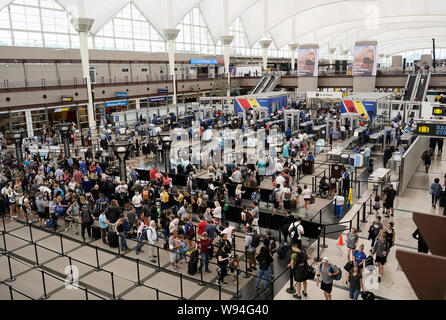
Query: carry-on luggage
[
  {"x": 96, "y": 232},
  {"x": 113, "y": 240},
  {"x": 282, "y": 250}
]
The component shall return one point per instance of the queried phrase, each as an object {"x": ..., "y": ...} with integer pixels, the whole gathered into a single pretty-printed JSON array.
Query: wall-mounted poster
[
  {"x": 307, "y": 62},
  {"x": 364, "y": 61}
]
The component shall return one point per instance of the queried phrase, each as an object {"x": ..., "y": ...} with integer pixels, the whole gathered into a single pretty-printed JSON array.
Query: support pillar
[
  {"x": 29, "y": 123},
  {"x": 265, "y": 45},
  {"x": 226, "y": 41},
  {"x": 171, "y": 35},
  {"x": 293, "y": 47},
  {"x": 83, "y": 26}
]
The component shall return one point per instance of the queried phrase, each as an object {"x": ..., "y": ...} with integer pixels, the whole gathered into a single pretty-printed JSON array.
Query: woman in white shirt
[
  {"x": 307, "y": 198},
  {"x": 238, "y": 195},
  {"x": 286, "y": 196},
  {"x": 217, "y": 213}
]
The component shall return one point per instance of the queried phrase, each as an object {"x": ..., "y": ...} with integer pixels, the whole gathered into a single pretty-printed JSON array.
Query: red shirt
[
  {"x": 204, "y": 245},
  {"x": 152, "y": 174},
  {"x": 78, "y": 177},
  {"x": 201, "y": 227}
]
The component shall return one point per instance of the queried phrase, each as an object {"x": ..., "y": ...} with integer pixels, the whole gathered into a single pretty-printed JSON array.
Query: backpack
[
  {"x": 272, "y": 196},
  {"x": 296, "y": 231},
  {"x": 255, "y": 240},
  {"x": 145, "y": 195},
  {"x": 59, "y": 211},
  {"x": 126, "y": 225},
  {"x": 336, "y": 277},
  {"x": 287, "y": 196},
  {"x": 299, "y": 190},
  {"x": 191, "y": 231}
]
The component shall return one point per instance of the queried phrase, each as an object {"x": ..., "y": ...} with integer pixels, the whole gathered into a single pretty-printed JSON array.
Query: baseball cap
[
  {"x": 84, "y": 206},
  {"x": 324, "y": 259}
]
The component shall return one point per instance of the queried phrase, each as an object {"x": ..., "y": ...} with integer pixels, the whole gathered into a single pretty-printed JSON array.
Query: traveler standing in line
[
  {"x": 152, "y": 237},
  {"x": 222, "y": 262},
  {"x": 375, "y": 230},
  {"x": 104, "y": 224},
  {"x": 435, "y": 192},
  {"x": 250, "y": 250},
  {"x": 286, "y": 222},
  {"x": 390, "y": 198},
  {"x": 298, "y": 265},
  {"x": 120, "y": 231},
  {"x": 355, "y": 283},
  {"x": 327, "y": 270},
  {"x": 390, "y": 235},
  {"x": 204, "y": 243},
  {"x": 352, "y": 241},
  {"x": 174, "y": 246},
  {"x": 307, "y": 198},
  {"x": 264, "y": 258},
  {"x": 296, "y": 231},
  {"x": 381, "y": 249},
  {"x": 86, "y": 221}
]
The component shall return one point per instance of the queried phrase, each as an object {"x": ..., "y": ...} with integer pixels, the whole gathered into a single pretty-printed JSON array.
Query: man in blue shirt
[
  {"x": 345, "y": 182},
  {"x": 310, "y": 156},
  {"x": 367, "y": 153}
]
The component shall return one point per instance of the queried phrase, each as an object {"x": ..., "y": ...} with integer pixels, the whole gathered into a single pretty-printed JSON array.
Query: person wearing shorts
[
  {"x": 381, "y": 249},
  {"x": 326, "y": 271},
  {"x": 164, "y": 200},
  {"x": 174, "y": 246}
]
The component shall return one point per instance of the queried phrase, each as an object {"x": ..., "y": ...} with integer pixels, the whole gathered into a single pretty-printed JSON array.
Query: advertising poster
[
  {"x": 364, "y": 61},
  {"x": 307, "y": 62}
]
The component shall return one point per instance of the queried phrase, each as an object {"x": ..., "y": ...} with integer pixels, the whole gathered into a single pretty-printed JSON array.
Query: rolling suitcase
[
  {"x": 113, "y": 240},
  {"x": 192, "y": 266},
  {"x": 282, "y": 250},
  {"x": 96, "y": 232}
]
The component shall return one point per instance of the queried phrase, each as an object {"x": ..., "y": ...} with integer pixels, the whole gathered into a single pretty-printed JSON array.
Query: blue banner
[
  {"x": 157, "y": 99},
  {"x": 163, "y": 91},
  {"x": 119, "y": 103},
  {"x": 203, "y": 61},
  {"x": 121, "y": 94}
]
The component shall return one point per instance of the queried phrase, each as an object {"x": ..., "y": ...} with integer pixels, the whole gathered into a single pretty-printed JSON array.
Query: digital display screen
[
  {"x": 432, "y": 129},
  {"x": 364, "y": 61},
  {"x": 307, "y": 62},
  {"x": 439, "y": 111}
]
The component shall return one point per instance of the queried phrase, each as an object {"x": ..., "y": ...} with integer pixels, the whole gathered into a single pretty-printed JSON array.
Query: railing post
[
  {"x": 4, "y": 225},
  {"x": 45, "y": 295},
  {"x": 323, "y": 245},
  {"x": 5, "y": 250},
  {"x": 26, "y": 216},
  {"x": 238, "y": 294},
  {"x": 246, "y": 275},
  {"x": 11, "y": 294},
  {"x": 181, "y": 286},
  {"x": 350, "y": 225},
  {"x": 364, "y": 220},
  {"x": 320, "y": 216},
  {"x": 370, "y": 206},
  {"x": 201, "y": 283},
  {"x": 219, "y": 292},
  {"x": 157, "y": 294},
  {"x": 119, "y": 248},
  {"x": 98, "y": 267},
  {"x": 61, "y": 245},
  {"x": 318, "y": 258},
  {"x": 291, "y": 289},
  {"x": 113, "y": 285},
  {"x": 158, "y": 269},
  {"x": 11, "y": 277},
  {"x": 37, "y": 265},
  {"x": 86, "y": 294},
  {"x": 71, "y": 270},
  {"x": 357, "y": 219},
  {"x": 138, "y": 283},
  {"x": 31, "y": 233}
]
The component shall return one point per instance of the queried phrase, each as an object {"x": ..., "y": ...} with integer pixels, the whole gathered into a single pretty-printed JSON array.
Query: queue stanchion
[
  {"x": 238, "y": 294},
  {"x": 61, "y": 245},
  {"x": 98, "y": 266},
  {"x": 157, "y": 294},
  {"x": 37, "y": 265},
  {"x": 86, "y": 294},
  {"x": 31, "y": 233},
  {"x": 71, "y": 270},
  {"x": 4, "y": 224},
  {"x": 318, "y": 258},
  {"x": 138, "y": 283},
  {"x": 219, "y": 292},
  {"x": 324, "y": 245},
  {"x": 113, "y": 286},
  {"x": 291, "y": 289},
  {"x": 11, "y": 294},
  {"x": 158, "y": 269},
  {"x": 181, "y": 286},
  {"x": 45, "y": 294},
  {"x": 11, "y": 277},
  {"x": 246, "y": 275},
  {"x": 364, "y": 220},
  {"x": 4, "y": 250}
]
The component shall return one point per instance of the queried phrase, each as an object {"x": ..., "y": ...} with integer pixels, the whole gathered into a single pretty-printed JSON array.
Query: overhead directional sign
[
  {"x": 439, "y": 111},
  {"x": 432, "y": 129}
]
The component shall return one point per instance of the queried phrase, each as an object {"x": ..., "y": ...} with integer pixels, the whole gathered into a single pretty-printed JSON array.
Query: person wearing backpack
[
  {"x": 286, "y": 197},
  {"x": 296, "y": 231},
  {"x": 273, "y": 249},
  {"x": 375, "y": 230},
  {"x": 286, "y": 222},
  {"x": 86, "y": 220},
  {"x": 250, "y": 249},
  {"x": 273, "y": 197},
  {"x": 120, "y": 229},
  {"x": 298, "y": 265},
  {"x": 381, "y": 249},
  {"x": 328, "y": 271},
  {"x": 189, "y": 232},
  {"x": 265, "y": 259}
]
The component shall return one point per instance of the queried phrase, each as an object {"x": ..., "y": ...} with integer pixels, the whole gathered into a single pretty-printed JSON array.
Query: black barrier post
[
  {"x": 246, "y": 275},
  {"x": 71, "y": 270},
  {"x": 272, "y": 290},
  {"x": 137, "y": 284},
  {"x": 364, "y": 220},
  {"x": 26, "y": 216},
  {"x": 357, "y": 220},
  {"x": 181, "y": 286},
  {"x": 350, "y": 225},
  {"x": 157, "y": 294},
  {"x": 119, "y": 248},
  {"x": 86, "y": 294},
  {"x": 31, "y": 233},
  {"x": 45, "y": 295},
  {"x": 158, "y": 256},
  {"x": 291, "y": 289},
  {"x": 37, "y": 265},
  {"x": 320, "y": 216},
  {"x": 238, "y": 294},
  {"x": 201, "y": 283},
  {"x": 370, "y": 206},
  {"x": 5, "y": 250},
  {"x": 318, "y": 258},
  {"x": 4, "y": 225},
  {"x": 98, "y": 267},
  {"x": 323, "y": 245},
  {"x": 219, "y": 292},
  {"x": 11, "y": 277},
  {"x": 113, "y": 285},
  {"x": 61, "y": 245},
  {"x": 11, "y": 293}
]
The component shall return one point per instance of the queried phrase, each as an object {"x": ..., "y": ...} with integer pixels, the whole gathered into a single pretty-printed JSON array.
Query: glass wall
[{"x": 39, "y": 119}]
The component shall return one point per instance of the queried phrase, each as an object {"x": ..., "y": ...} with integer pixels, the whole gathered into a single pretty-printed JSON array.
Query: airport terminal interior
[{"x": 222, "y": 150}]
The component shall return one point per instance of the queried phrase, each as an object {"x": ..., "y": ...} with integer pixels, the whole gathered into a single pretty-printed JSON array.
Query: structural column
[
  {"x": 226, "y": 41},
  {"x": 83, "y": 26},
  {"x": 171, "y": 35},
  {"x": 293, "y": 47},
  {"x": 265, "y": 45},
  {"x": 29, "y": 123}
]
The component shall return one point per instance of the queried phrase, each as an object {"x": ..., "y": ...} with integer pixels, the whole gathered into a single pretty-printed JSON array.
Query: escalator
[
  {"x": 411, "y": 81},
  {"x": 422, "y": 87},
  {"x": 273, "y": 83},
  {"x": 260, "y": 84}
]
